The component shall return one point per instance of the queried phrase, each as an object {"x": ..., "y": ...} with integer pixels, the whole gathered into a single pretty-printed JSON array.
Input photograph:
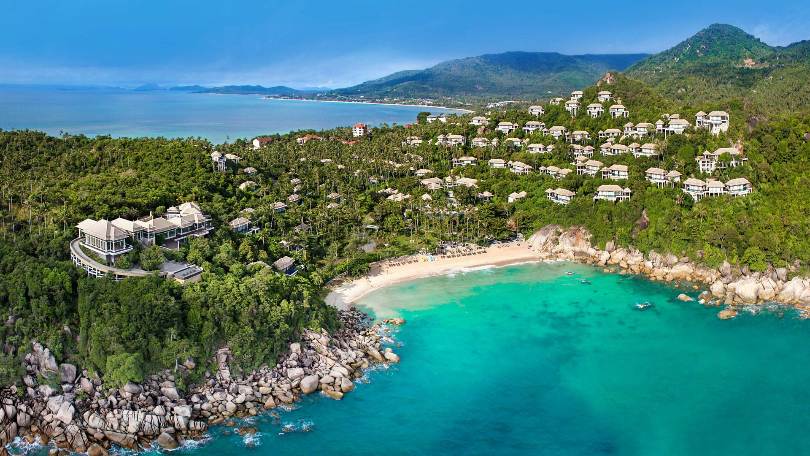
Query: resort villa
[
  {"x": 506, "y": 127},
  {"x": 559, "y": 195},
  {"x": 577, "y": 95},
  {"x": 532, "y": 126},
  {"x": 715, "y": 121},
  {"x": 722, "y": 158},
  {"x": 589, "y": 167},
  {"x": 557, "y": 131},
  {"x": 612, "y": 192},
  {"x": 615, "y": 172},
  {"x": 604, "y": 95},
  {"x": 479, "y": 121},
  {"x": 618, "y": 110},
  {"x": 480, "y": 142},
  {"x": 572, "y": 106},
  {"x": 698, "y": 189},
  {"x": 662, "y": 178},
  {"x": 536, "y": 111},
  {"x": 497, "y": 163},
  {"x": 519, "y": 167},
  {"x": 107, "y": 240},
  {"x": 595, "y": 110},
  {"x": 646, "y": 150},
  {"x": 464, "y": 161},
  {"x": 514, "y": 196}
]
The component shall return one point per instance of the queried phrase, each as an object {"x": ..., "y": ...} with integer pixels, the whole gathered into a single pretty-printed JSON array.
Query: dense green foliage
[{"x": 508, "y": 75}]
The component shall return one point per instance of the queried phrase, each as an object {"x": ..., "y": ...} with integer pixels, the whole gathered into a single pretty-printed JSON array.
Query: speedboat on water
[
  {"x": 585, "y": 282},
  {"x": 643, "y": 305},
  {"x": 569, "y": 273}
]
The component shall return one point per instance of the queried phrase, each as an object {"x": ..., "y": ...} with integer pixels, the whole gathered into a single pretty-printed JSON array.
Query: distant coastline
[{"x": 413, "y": 105}]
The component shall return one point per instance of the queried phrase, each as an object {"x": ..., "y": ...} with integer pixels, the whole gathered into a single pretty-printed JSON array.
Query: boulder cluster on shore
[
  {"x": 728, "y": 285},
  {"x": 75, "y": 411}
]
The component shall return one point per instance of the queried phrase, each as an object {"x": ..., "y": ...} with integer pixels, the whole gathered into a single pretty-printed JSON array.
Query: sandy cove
[
  {"x": 731, "y": 286},
  {"x": 383, "y": 274}
]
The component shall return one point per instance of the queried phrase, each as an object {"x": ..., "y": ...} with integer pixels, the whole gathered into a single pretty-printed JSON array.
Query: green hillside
[{"x": 724, "y": 64}]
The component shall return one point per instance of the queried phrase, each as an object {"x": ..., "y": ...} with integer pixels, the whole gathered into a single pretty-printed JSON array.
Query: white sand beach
[{"x": 391, "y": 272}]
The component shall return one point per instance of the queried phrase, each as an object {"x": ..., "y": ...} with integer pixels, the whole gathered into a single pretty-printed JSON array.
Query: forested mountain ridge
[
  {"x": 508, "y": 75},
  {"x": 722, "y": 63}
]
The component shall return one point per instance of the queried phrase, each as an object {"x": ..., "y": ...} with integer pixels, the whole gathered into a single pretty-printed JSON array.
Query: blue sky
[{"x": 334, "y": 44}]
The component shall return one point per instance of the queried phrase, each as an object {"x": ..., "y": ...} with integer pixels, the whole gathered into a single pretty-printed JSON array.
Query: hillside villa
[
  {"x": 715, "y": 121},
  {"x": 604, "y": 95},
  {"x": 559, "y": 195},
  {"x": 595, "y": 110},
  {"x": 662, "y": 178},
  {"x": 615, "y": 172},
  {"x": 479, "y": 121},
  {"x": 708, "y": 162},
  {"x": 506, "y": 127},
  {"x": 612, "y": 192},
  {"x": 699, "y": 189},
  {"x": 536, "y": 110},
  {"x": 618, "y": 110}
]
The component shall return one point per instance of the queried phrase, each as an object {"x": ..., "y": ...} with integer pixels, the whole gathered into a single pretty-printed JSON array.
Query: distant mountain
[
  {"x": 507, "y": 75},
  {"x": 189, "y": 88},
  {"x": 723, "y": 64},
  {"x": 278, "y": 91}
]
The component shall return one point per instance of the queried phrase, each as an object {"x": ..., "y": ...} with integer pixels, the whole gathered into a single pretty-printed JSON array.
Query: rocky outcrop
[
  {"x": 159, "y": 411},
  {"x": 727, "y": 285}
]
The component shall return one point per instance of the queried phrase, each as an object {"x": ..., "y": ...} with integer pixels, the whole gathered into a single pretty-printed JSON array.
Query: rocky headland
[
  {"x": 728, "y": 285},
  {"x": 72, "y": 410}
]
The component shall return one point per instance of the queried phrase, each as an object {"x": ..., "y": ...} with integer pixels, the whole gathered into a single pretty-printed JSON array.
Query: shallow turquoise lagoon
[{"x": 528, "y": 360}]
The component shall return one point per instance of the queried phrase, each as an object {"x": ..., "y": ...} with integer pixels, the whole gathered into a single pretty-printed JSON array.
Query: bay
[
  {"x": 530, "y": 360},
  {"x": 218, "y": 118}
]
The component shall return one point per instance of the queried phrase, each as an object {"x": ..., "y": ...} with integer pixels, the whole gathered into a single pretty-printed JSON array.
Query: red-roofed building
[
  {"x": 359, "y": 129},
  {"x": 261, "y": 141}
]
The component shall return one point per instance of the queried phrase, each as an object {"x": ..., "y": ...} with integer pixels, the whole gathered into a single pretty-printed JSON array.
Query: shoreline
[
  {"x": 391, "y": 272},
  {"x": 267, "y": 97},
  {"x": 727, "y": 287}
]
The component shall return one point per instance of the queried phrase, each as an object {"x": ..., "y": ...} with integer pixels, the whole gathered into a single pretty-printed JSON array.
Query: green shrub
[
  {"x": 151, "y": 258},
  {"x": 755, "y": 259},
  {"x": 123, "y": 368}
]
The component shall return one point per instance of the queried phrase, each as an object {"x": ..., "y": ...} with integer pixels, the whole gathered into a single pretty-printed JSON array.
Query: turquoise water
[
  {"x": 218, "y": 118},
  {"x": 528, "y": 360}
]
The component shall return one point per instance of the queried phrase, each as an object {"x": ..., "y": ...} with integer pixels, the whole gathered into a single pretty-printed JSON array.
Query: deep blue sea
[
  {"x": 218, "y": 118},
  {"x": 527, "y": 360}
]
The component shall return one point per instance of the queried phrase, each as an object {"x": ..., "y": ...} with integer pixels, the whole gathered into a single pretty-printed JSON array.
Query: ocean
[
  {"x": 218, "y": 118},
  {"x": 527, "y": 360}
]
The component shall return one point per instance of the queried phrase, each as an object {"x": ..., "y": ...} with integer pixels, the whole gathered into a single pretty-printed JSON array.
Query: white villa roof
[
  {"x": 561, "y": 191},
  {"x": 655, "y": 171},
  {"x": 595, "y": 105},
  {"x": 611, "y": 188},
  {"x": 649, "y": 146},
  {"x": 238, "y": 221},
  {"x": 617, "y": 167},
  {"x": 126, "y": 225},
  {"x": 718, "y": 113},
  {"x": 617, "y": 106},
  {"x": 738, "y": 181},
  {"x": 102, "y": 229},
  {"x": 693, "y": 181},
  {"x": 714, "y": 184},
  {"x": 674, "y": 173}
]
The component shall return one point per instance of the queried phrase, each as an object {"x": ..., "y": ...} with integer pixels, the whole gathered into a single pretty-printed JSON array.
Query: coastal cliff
[
  {"x": 728, "y": 285},
  {"x": 73, "y": 410}
]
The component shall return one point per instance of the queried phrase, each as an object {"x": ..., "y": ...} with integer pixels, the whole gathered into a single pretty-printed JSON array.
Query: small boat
[
  {"x": 585, "y": 282},
  {"x": 643, "y": 305},
  {"x": 569, "y": 273}
]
